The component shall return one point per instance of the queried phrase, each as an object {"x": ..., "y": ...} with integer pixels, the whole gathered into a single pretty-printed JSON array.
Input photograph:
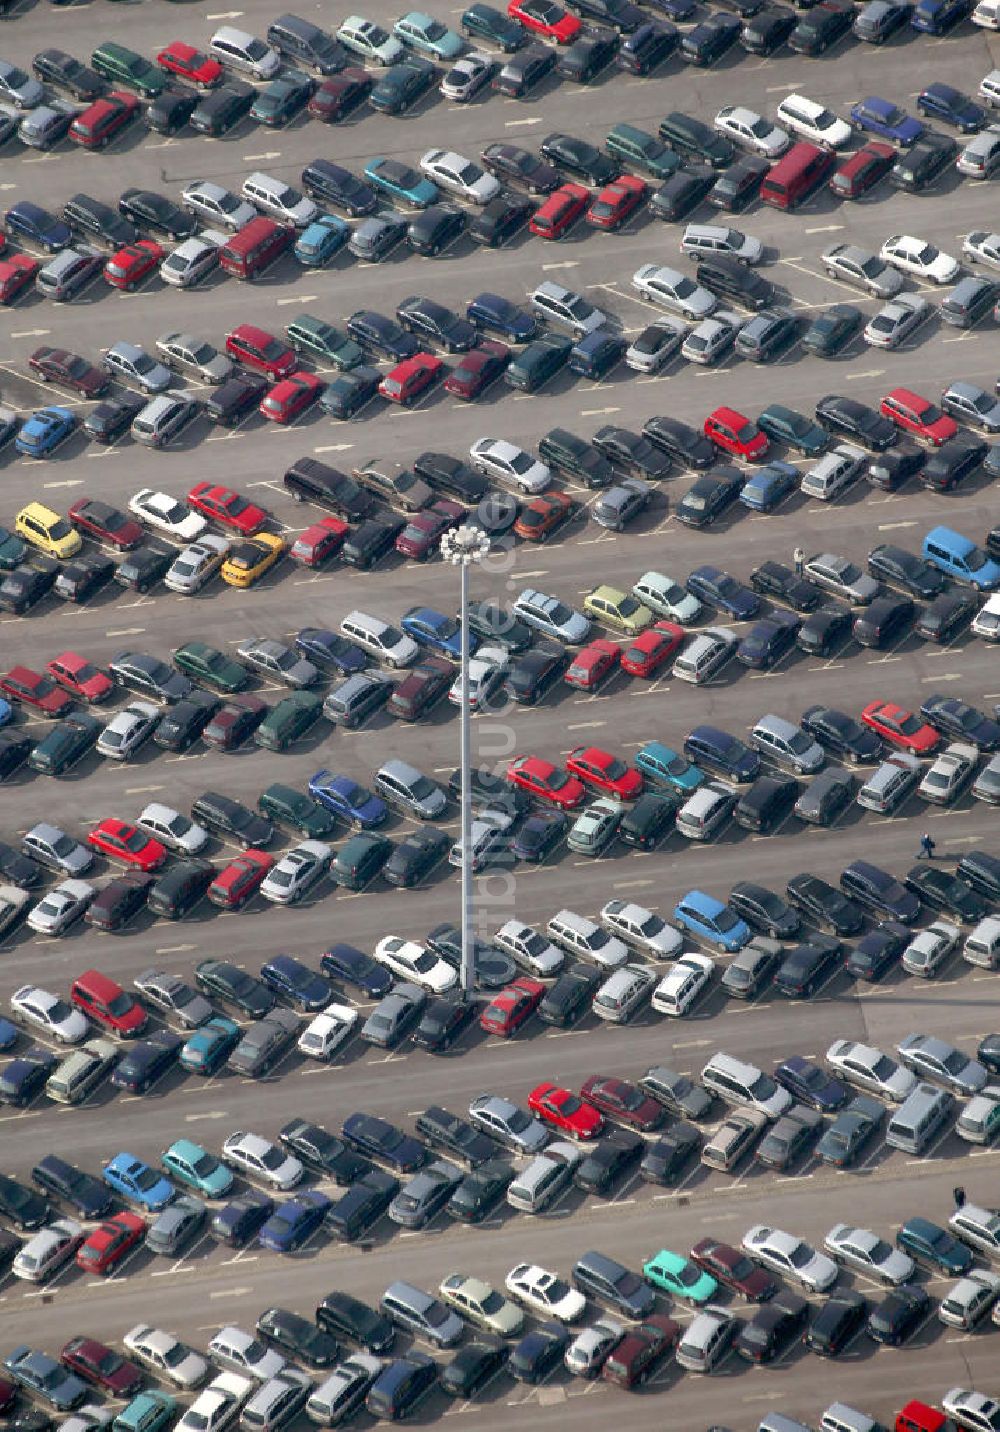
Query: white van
[
  {"x": 983, "y": 946},
  {"x": 587, "y": 939}
]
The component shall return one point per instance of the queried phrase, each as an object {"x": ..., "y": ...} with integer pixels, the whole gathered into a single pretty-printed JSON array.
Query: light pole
[{"x": 462, "y": 546}]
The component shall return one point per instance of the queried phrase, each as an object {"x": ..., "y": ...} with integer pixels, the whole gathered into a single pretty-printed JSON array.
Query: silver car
[
  {"x": 982, "y": 247},
  {"x": 394, "y": 1015},
  {"x": 870, "y": 1069},
  {"x": 133, "y": 364},
  {"x": 508, "y": 1123},
  {"x": 671, "y": 289},
  {"x": 973, "y": 405},
  {"x": 192, "y": 260},
  {"x": 217, "y": 205},
  {"x": 425, "y": 1194},
  {"x": 657, "y": 342},
  {"x": 618, "y": 505},
  {"x": 44, "y": 127},
  {"x": 297, "y": 870},
  {"x": 48, "y": 1250},
  {"x": 188, "y": 354},
  {"x": 499, "y": 459},
  {"x": 128, "y": 730},
  {"x": 174, "y": 1228},
  {"x": 667, "y": 598},
  {"x": 166, "y": 1355},
  {"x": 549, "y": 615},
  {"x": 839, "y": 575},
  {"x": 174, "y": 998},
  {"x": 409, "y": 790},
  {"x": 701, "y": 240},
  {"x": 467, "y": 77},
  {"x": 860, "y": 1248},
  {"x": 862, "y": 269},
  {"x": 18, "y": 88},
  {"x": 752, "y": 131},
  {"x": 713, "y": 337},
  {"x": 895, "y": 321},
  {"x": 61, "y": 907},
  {"x": 197, "y": 564},
  {"x": 278, "y": 661},
  {"x": 163, "y": 419},
  {"x": 591, "y": 1348},
  {"x": 969, "y": 1301},
  {"x": 980, "y": 158},
  {"x": 642, "y": 929},
  {"x": 928, "y": 951},
  {"x": 707, "y": 1339},
  {"x": 56, "y": 850},
  {"x": 932, "y": 1058}
]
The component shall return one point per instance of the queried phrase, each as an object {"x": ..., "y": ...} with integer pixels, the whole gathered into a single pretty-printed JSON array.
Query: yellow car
[
  {"x": 47, "y": 531},
  {"x": 251, "y": 559},
  {"x": 618, "y": 610}
]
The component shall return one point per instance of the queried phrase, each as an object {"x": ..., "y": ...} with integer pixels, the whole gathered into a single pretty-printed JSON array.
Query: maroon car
[
  {"x": 69, "y": 370},
  {"x": 623, "y": 1101},
  {"x": 422, "y": 534},
  {"x": 105, "y": 523},
  {"x": 477, "y": 369},
  {"x": 421, "y": 688},
  {"x": 100, "y": 1365},
  {"x": 641, "y": 1350},
  {"x": 340, "y": 94},
  {"x": 8, "y": 1395},
  {"x": 234, "y": 722},
  {"x": 731, "y": 1267}
]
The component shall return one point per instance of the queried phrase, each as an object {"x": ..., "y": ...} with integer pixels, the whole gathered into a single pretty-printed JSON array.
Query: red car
[
  {"x": 129, "y": 266},
  {"x": 565, "y": 1111},
  {"x": 560, "y": 211},
  {"x": 422, "y": 534},
  {"x": 617, "y": 201},
  {"x": 605, "y": 771},
  {"x": 477, "y": 369},
  {"x": 540, "y": 517},
  {"x": 546, "y": 782},
  {"x": 69, "y": 370},
  {"x": 652, "y": 648},
  {"x": 101, "y": 121},
  {"x": 592, "y": 665},
  {"x": 643, "y": 1347},
  {"x": 731, "y": 1267},
  {"x": 105, "y": 1248},
  {"x": 918, "y": 415},
  {"x": 32, "y": 688},
  {"x": 16, "y": 273},
  {"x": 190, "y": 64},
  {"x": 100, "y": 1365},
  {"x": 623, "y": 1101},
  {"x": 105, "y": 523},
  {"x": 234, "y": 885},
  {"x": 861, "y": 170},
  {"x": 290, "y": 397},
  {"x": 900, "y": 727},
  {"x": 509, "y": 1009},
  {"x": 340, "y": 94},
  {"x": 103, "y": 1000},
  {"x": 736, "y": 434},
  {"x": 260, "y": 351},
  {"x": 80, "y": 676},
  {"x": 319, "y": 542},
  {"x": 8, "y": 1395},
  {"x": 546, "y": 18},
  {"x": 409, "y": 379},
  {"x": 122, "y": 841},
  {"x": 227, "y": 507}
]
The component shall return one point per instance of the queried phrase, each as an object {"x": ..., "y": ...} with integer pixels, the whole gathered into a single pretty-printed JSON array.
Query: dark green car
[
  {"x": 296, "y": 810},
  {"x": 308, "y": 334},
  {"x": 288, "y": 720},
  {"x": 127, "y": 67},
  {"x": 68, "y": 741},
  {"x": 12, "y": 550},
  {"x": 537, "y": 362},
  {"x": 641, "y": 150},
  {"x": 793, "y": 429},
  {"x": 360, "y": 859},
  {"x": 210, "y": 666}
]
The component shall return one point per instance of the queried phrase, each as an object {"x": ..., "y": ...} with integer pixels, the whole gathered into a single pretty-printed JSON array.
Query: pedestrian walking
[
  {"x": 799, "y": 558},
  {"x": 926, "y": 847},
  {"x": 958, "y": 1194}
]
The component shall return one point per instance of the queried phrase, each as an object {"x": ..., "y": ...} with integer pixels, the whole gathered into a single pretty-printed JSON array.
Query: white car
[
  {"x": 197, "y": 564},
  {"x": 949, "y": 774},
  {"x": 667, "y": 598},
  {"x": 972, "y": 1410},
  {"x": 919, "y": 258},
  {"x": 497, "y": 458},
  {"x": 979, "y": 1121},
  {"x": 752, "y": 131},
  {"x": 175, "y": 831},
  {"x": 49, "y": 1013},
  {"x": 298, "y": 869},
  {"x": 412, "y": 961},
  {"x": 195, "y": 357},
  {"x": 48, "y": 1250},
  {"x": 128, "y": 730},
  {"x": 545, "y": 1293},
  {"x": 60, "y": 907},
  {"x": 680, "y": 989},
  {"x": 834, "y": 472},
  {"x": 896, "y": 320},
  {"x": 669, "y": 288},
  {"x": 549, "y": 615},
  {"x": 532, "y": 951},
  {"x": 365, "y": 38},
  {"x": 790, "y": 1256},
  {"x": 969, "y": 1300},
  {"x": 261, "y": 1160},
  {"x": 467, "y": 76},
  {"x": 487, "y": 670},
  {"x": 245, "y": 1353},
  {"x": 642, "y": 929},
  {"x": 167, "y": 515},
  {"x": 980, "y": 158},
  {"x": 870, "y": 1069},
  {"x": 929, "y": 949},
  {"x": 860, "y": 1248},
  {"x": 279, "y": 200},
  {"x": 986, "y": 622},
  {"x": 711, "y": 338},
  {"x": 327, "y": 1031},
  {"x": 590, "y": 1349},
  {"x": 460, "y": 176},
  {"x": 166, "y": 1355},
  {"x": 814, "y": 122},
  {"x": 207, "y": 200},
  {"x": 380, "y": 639},
  {"x": 217, "y": 1407},
  {"x": 192, "y": 260},
  {"x": 982, "y": 247}
]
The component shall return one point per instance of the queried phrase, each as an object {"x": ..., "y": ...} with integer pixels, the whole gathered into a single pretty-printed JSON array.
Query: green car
[
  {"x": 149, "y": 1412},
  {"x": 360, "y": 859},
  {"x": 127, "y": 67},
  {"x": 537, "y": 362},
  {"x": 295, "y": 809},
  {"x": 794, "y": 429},
  {"x": 642, "y": 150},
  {"x": 210, "y": 666},
  {"x": 68, "y": 741},
  {"x": 617, "y": 609},
  {"x": 673, "y": 1273},
  {"x": 199, "y": 1169},
  {"x": 288, "y": 720},
  {"x": 308, "y": 334},
  {"x": 12, "y": 550}
]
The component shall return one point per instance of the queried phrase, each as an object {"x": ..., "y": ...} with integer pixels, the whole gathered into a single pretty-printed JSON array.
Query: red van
[
  {"x": 103, "y": 1000},
  {"x": 255, "y": 247},
  {"x": 796, "y": 175}
]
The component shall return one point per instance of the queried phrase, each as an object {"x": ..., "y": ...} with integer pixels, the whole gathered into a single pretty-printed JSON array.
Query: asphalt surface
[{"x": 210, "y": 1286}]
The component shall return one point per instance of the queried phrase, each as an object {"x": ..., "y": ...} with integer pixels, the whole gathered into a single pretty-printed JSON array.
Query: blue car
[
  {"x": 297, "y": 983},
  {"x": 937, "y": 17},
  {"x": 658, "y": 763},
  {"x": 6, "y": 712},
  {"x": 37, "y": 227},
  {"x": 294, "y": 1222},
  {"x": 428, "y": 36},
  {"x": 346, "y": 799},
  {"x": 768, "y": 640},
  {"x": 44, "y": 431},
  {"x": 330, "y": 650},
  {"x": 208, "y": 1048},
  {"x": 767, "y": 488},
  {"x": 947, "y": 103},
  {"x": 720, "y": 590},
  {"x": 882, "y": 117},
  {"x": 442, "y": 634},
  {"x": 401, "y": 182},
  {"x": 137, "y": 1182},
  {"x": 321, "y": 241},
  {"x": 500, "y": 317},
  {"x": 8, "y": 1035},
  {"x": 711, "y": 920}
]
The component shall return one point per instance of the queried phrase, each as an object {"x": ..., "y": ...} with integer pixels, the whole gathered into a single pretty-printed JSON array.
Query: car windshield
[
  {"x": 63, "y": 845},
  {"x": 955, "y": 1062},
  {"x": 684, "y": 288},
  {"x": 800, "y": 1255},
  {"x": 121, "y": 1004},
  {"x": 146, "y": 1179}
]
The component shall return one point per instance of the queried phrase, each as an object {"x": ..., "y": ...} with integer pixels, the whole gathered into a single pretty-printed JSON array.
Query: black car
[
  {"x": 235, "y": 399},
  {"x": 25, "y": 586},
  {"x": 13, "y": 549},
  {"x": 649, "y": 819},
  {"x": 589, "y": 56},
  {"x": 348, "y": 1317},
  {"x": 821, "y": 27},
  {"x": 836, "y": 1323},
  {"x": 322, "y": 1152},
  {"x": 473, "y": 1367},
  {"x": 400, "y": 86},
  {"x": 842, "y": 735},
  {"x": 889, "y": 470},
  {"x": 333, "y": 184},
  {"x": 64, "y": 72},
  {"x": 112, "y": 418},
  {"x": 709, "y": 496},
  {"x": 146, "y": 1061},
  {"x": 943, "y": 891},
  {"x": 576, "y": 457},
  {"x": 382, "y": 336},
  {"x": 539, "y": 1352},
  {"x": 768, "y": 30},
  {"x": 918, "y": 167},
  {"x": 847, "y": 1135},
  {"x": 156, "y": 214},
  {"x": 773, "y": 579},
  {"x": 118, "y": 901},
  {"x": 579, "y": 157},
  {"x": 23, "y": 1079},
  {"x": 960, "y": 721},
  {"x": 241, "y": 1219},
  {"x": 234, "y": 987},
  {"x": 706, "y": 43},
  {"x": 21, "y": 1205},
  {"x": 621, "y": 15},
  {"x": 292, "y": 980},
  {"x": 432, "y": 321},
  {"x": 435, "y": 229},
  {"x": 617, "y": 1155},
  {"x": 352, "y": 967},
  {"x": 445, "y": 1018},
  {"x": 763, "y": 910},
  {"x": 511, "y": 162},
  {"x": 824, "y": 904},
  {"x": 539, "y": 835},
  {"x": 825, "y": 631},
  {"x": 480, "y": 1191},
  {"x": 149, "y": 676},
  {"x": 495, "y": 625},
  {"x": 570, "y": 996},
  {"x": 945, "y": 617},
  {"x": 87, "y": 1196},
  {"x": 413, "y": 859},
  {"x": 532, "y": 675},
  {"x": 456, "y": 1136},
  {"x": 806, "y": 967},
  {"x": 768, "y": 640},
  {"x": 98, "y": 221},
  {"x": 484, "y": 22},
  {"x": 773, "y": 1328},
  {"x": 83, "y": 578},
  {"x": 831, "y": 331},
  {"x": 298, "y": 1336},
  {"x": 219, "y": 112},
  {"x": 494, "y": 968},
  {"x": 179, "y": 727},
  {"x": 451, "y": 476},
  {"x": 877, "y": 952},
  {"x": 360, "y": 1207},
  {"x": 500, "y": 219},
  {"x": 694, "y": 139},
  {"x": 668, "y": 1155},
  {"x": 634, "y": 453},
  {"x": 899, "y": 1315},
  {"x": 906, "y": 570},
  {"x": 647, "y": 47},
  {"x": 171, "y": 110},
  {"x": 882, "y": 621},
  {"x": 14, "y": 750},
  {"x": 231, "y": 819},
  {"x": 330, "y": 651},
  {"x": 721, "y": 753},
  {"x": 349, "y": 392},
  {"x": 953, "y": 463},
  {"x": 678, "y": 195},
  {"x": 382, "y": 1141},
  {"x": 19, "y": 869},
  {"x": 686, "y": 445},
  {"x": 856, "y": 420},
  {"x": 524, "y": 71},
  {"x": 282, "y": 99},
  {"x": 736, "y": 186}
]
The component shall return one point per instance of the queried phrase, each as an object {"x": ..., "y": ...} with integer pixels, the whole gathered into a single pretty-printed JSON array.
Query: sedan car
[{"x": 790, "y": 1256}]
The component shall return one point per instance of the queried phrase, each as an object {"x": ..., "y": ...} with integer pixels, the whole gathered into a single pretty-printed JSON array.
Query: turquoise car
[
  {"x": 321, "y": 241},
  {"x": 428, "y": 36},
  {"x": 673, "y": 1273},
  {"x": 401, "y": 182},
  {"x": 199, "y": 1169},
  {"x": 209, "y": 1047},
  {"x": 664, "y": 767},
  {"x": 149, "y": 1412}
]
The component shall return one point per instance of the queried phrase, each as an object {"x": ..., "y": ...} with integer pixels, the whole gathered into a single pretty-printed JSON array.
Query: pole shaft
[{"x": 468, "y": 948}]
